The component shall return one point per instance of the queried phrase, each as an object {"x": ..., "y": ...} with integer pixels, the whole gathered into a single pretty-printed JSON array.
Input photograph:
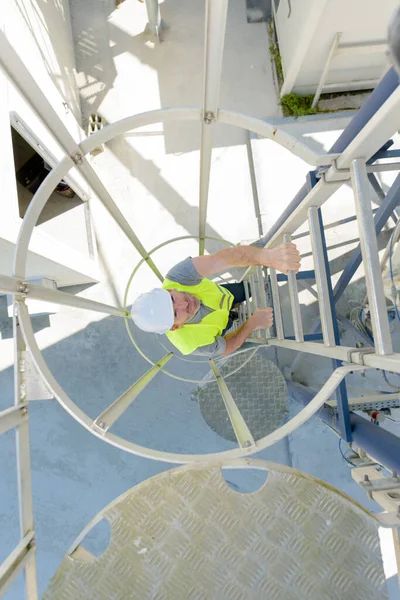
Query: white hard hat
[{"x": 153, "y": 311}]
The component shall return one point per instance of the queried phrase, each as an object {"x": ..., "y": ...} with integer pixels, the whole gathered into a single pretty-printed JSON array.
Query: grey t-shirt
[{"x": 185, "y": 273}]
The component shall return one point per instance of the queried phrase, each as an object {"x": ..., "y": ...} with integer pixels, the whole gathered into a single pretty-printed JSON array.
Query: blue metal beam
[
  {"x": 300, "y": 275},
  {"x": 380, "y": 218},
  {"x": 379, "y": 443}
]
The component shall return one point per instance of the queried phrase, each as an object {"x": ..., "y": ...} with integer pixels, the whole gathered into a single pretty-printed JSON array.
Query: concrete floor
[{"x": 153, "y": 177}]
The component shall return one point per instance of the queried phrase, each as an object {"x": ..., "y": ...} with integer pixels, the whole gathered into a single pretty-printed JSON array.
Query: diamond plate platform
[
  {"x": 259, "y": 390},
  {"x": 186, "y": 535}
]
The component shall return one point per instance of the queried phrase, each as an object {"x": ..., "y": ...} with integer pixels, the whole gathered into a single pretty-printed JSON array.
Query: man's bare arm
[
  {"x": 284, "y": 258},
  {"x": 261, "y": 319}
]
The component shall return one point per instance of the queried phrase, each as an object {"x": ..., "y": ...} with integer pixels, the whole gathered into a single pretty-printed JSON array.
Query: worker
[{"x": 195, "y": 312}]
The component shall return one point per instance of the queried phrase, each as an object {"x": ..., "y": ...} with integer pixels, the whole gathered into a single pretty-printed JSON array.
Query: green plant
[
  {"x": 276, "y": 57},
  {"x": 294, "y": 105}
]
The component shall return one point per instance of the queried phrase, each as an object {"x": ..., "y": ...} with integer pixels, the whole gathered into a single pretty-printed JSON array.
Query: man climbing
[{"x": 194, "y": 312}]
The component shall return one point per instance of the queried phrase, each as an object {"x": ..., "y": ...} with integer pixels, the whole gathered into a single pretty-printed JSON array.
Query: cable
[
  {"x": 395, "y": 387},
  {"x": 343, "y": 456}
]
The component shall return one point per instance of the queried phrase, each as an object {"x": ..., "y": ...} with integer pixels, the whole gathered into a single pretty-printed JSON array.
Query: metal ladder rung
[
  {"x": 254, "y": 299},
  {"x": 276, "y": 305},
  {"x": 249, "y": 306},
  {"x": 263, "y": 296},
  {"x": 294, "y": 300},
  {"x": 324, "y": 301}
]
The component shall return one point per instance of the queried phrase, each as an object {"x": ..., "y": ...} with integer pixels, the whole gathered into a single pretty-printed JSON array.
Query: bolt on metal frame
[{"x": 363, "y": 143}]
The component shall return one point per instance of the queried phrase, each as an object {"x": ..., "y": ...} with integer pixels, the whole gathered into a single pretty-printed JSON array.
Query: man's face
[{"x": 185, "y": 307}]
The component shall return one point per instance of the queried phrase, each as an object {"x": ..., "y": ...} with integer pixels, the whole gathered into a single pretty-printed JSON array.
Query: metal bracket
[
  {"x": 386, "y": 484},
  {"x": 209, "y": 117},
  {"x": 361, "y": 352},
  {"x": 23, "y": 289},
  {"x": 345, "y": 173},
  {"x": 100, "y": 427},
  {"x": 77, "y": 158}
]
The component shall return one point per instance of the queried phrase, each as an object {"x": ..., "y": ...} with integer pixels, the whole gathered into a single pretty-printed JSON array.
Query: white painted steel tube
[
  {"x": 170, "y": 457},
  {"x": 326, "y": 68},
  {"x": 277, "y": 305},
  {"x": 160, "y": 115},
  {"x": 12, "y": 285},
  {"x": 25, "y": 501},
  {"x": 370, "y": 255},
  {"x": 39, "y": 292},
  {"x": 32, "y": 214},
  {"x": 242, "y": 432},
  {"x": 321, "y": 277},
  {"x": 12, "y": 417},
  {"x": 121, "y": 404},
  {"x": 294, "y": 300},
  {"x": 275, "y": 133},
  {"x": 381, "y": 167},
  {"x": 215, "y": 25},
  {"x": 11, "y": 567}
]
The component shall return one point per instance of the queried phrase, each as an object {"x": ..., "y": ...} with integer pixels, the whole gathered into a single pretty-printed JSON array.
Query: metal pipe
[
  {"x": 378, "y": 168},
  {"x": 32, "y": 214},
  {"x": 369, "y": 250},
  {"x": 12, "y": 417},
  {"x": 16, "y": 561},
  {"x": 277, "y": 305},
  {"x": 12, "y": 285},
  {"x": 215, "y": 24},
  {"x": 49, "y": 295},
  {"x": 25, "y": 501},
  {"x": 294, "y": 300},
  {"x": 321, "y": 277},
  {"x": 242, "y": 432},
  {"x": 108, "y": 417},
  {"x": 325, "y": 70},
  {"x": 275, "y": 133},
  {"x": 154, "y": 18}
]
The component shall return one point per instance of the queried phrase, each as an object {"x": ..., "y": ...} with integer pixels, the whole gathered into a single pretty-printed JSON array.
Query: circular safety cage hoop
[
  {"x": 36, "y": 206},
  {"x": 185, "y": 533}
]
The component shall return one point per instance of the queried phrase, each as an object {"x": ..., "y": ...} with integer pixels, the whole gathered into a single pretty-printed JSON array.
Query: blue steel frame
[{"x": 378, "y": 442}]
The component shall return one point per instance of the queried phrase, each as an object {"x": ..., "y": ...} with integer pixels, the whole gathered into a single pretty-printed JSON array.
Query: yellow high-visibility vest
[{"x": 190, "y": 337}]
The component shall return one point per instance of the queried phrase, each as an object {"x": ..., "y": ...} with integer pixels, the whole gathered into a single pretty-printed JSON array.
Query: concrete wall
[
  {"x": 360, "y": 21},
  {"x": 40, "y": 33}
]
